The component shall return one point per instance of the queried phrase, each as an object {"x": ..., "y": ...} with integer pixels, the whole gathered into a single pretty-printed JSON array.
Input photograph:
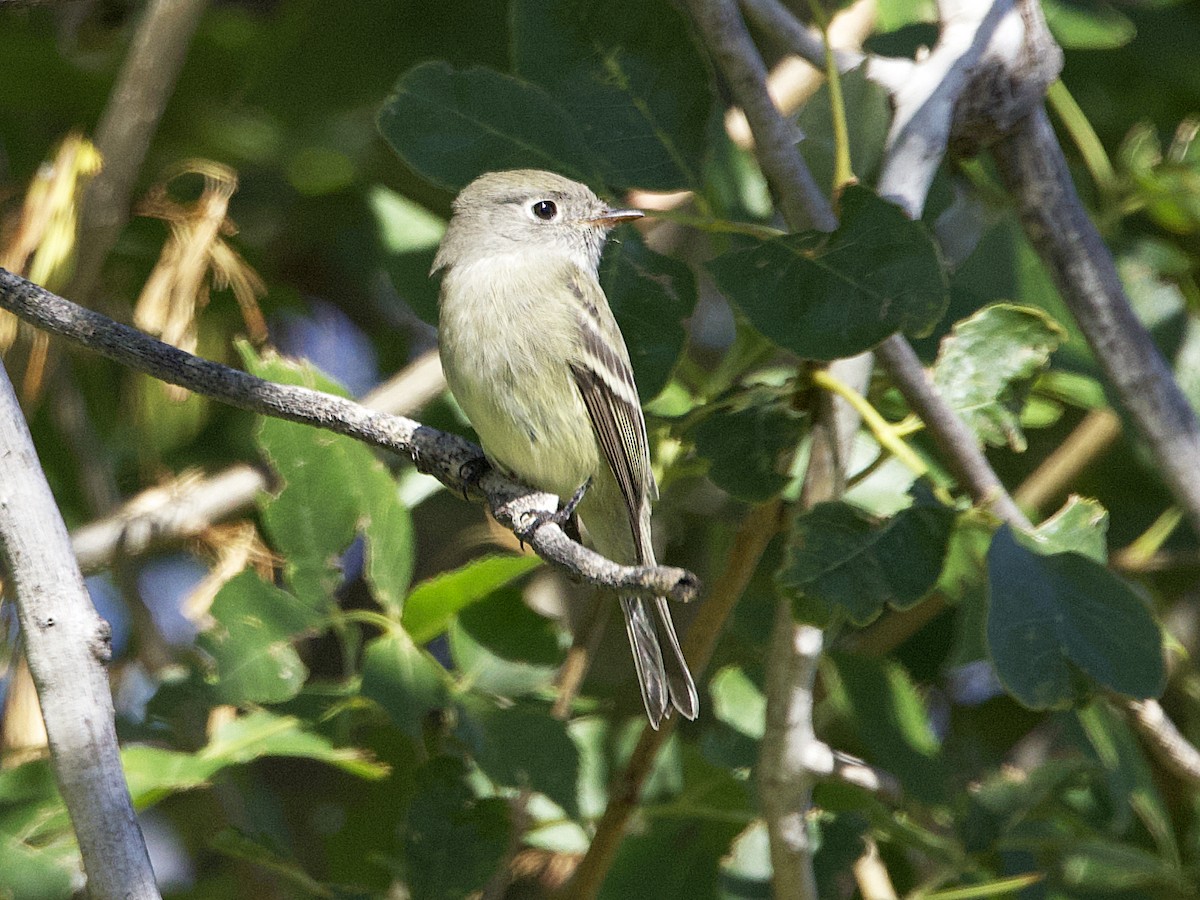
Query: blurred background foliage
[{"x": 347, "y": 692}]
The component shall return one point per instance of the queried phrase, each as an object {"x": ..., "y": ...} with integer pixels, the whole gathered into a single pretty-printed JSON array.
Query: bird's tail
[{"x": 662, "y": 671}]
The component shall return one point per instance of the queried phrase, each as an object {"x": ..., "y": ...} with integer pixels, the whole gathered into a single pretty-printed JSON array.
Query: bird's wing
[{"x": 605, "y": 380}]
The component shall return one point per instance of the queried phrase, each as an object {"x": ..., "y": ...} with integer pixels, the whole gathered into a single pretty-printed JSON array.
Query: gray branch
[
  {"x": 67, "y": 646},
  {"x": 737, "y": 58},
  {"x": 1035, "y": 171},
  {"x": 447, "y": 457}
]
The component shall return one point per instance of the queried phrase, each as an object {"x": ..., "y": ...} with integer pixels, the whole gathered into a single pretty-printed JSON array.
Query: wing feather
[{"x": 605, "y": 380}]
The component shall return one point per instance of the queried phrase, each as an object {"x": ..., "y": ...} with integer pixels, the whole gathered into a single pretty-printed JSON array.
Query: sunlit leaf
[
  {"x": 829, "y": 296},
  {"x": 985, "y": 366}
]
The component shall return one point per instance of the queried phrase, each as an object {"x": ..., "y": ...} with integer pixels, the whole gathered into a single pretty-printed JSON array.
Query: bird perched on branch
[{"x": 536, "y": 360}]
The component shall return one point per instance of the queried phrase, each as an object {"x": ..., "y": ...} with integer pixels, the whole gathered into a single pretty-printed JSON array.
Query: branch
[
  {"x": 1034, "y": 169},
  {"x": 939, "y": 99},
  {"x": 958, "y": 445},
  {"x": 67, "y": 645},
  {"x": 794, "y": 79},
  {"x": 1171, "y": 747},
  {"x": 801, "y": 201},
  {"x": 445, "y": 456}
]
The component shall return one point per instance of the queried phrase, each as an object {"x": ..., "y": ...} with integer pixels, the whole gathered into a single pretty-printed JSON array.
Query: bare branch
[
  {"x": 1171, "y": 747},
  {"x": 1035, "y": 171},
  {"x": 733, "y": 51},
  {"x": 959, "y": 447},
  {"x": 67, "y": 645},
  {"x": 445, "y": 456}
]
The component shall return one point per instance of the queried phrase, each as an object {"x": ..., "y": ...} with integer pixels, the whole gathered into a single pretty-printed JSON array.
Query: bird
[{"x": 537, "y": 362}]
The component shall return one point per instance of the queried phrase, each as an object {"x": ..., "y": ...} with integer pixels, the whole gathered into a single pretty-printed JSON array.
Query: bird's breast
[{"x": 506, "y": 341}]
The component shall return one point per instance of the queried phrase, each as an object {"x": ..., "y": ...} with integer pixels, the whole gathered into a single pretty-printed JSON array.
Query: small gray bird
[{"x": 536, "y": 360}]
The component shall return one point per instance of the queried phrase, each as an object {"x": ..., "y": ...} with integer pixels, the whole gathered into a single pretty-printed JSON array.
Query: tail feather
[
  {"x": 662, "y": 671},
  {"x": 647, "y": 658},
  {"x": 679, "y": 678}
]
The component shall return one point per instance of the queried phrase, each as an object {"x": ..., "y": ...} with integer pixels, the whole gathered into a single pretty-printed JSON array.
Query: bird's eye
[{"x": 544, "y": 210}]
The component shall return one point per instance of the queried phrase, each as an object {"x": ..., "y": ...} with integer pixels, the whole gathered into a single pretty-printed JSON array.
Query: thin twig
[
  {"x": 445, "y": 456},
  {"x": 1172, "y": 748},
  {"x": 136, "y": 105},
  {"x": 959, "y": 447},
  {"x": 1053, "y": 477},
  {"x": 67, "y": 645}
]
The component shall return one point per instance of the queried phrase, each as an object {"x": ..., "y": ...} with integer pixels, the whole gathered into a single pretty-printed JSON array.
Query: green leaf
[
  {"x": 651, "y": 295},
  {"x": 331, "y": 488},
  {"x": 504, "y": 624},
  {"x": 405, "y": 680},
  {"x": 492, "y": 672},
  {"x": 1106, "y": 866},
  {"x": 453, "y": 126},
  {"x": 522, "y": 746},
  {"x": 283, "y": 866},
  {"x": 868, "y": 128},
  {"x": 685, "y": 840},
  {"x": 1081, "y": 526},
  {"x": 885, "y": 708},
  {"x": 829, "y": 296},
  {"x": 1129, "y": 775},
  {"x": 841, "y": 561},
  {"x": 738, "y": 702},
  {"x": 454, "y": 840},
  {"x": 749, "y": 449},
  {"x": 629, "y": 73},
  {"x": 1098, "y": 26},
  {"x": 388, "y": 529},
  {"x": 37, "y": 872},
  {"x": 986, "y": 363},
  {"x": 251, "y": 642},
  {"x": 1049, "y": 615},
  {"x": 434, "y": 603},
  {"x": 154, "y": 773}
]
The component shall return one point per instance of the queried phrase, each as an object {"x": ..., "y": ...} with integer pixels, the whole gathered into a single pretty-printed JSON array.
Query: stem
[
  {"x": 1084, "y": 136},
  {"x": 881, "y": 428},
  {"x": 958, "y": 446}
]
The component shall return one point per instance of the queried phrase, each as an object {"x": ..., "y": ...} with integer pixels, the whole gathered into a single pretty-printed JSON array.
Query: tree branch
[
  {"x": 67, "y": 646},
  {"x": 736, "y": 57},
  {"x": 445, "y": 456},
  {"x": 1035, "y": 171}
]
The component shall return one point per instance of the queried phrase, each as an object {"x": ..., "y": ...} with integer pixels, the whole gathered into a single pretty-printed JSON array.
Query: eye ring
[{"x": 545, "y": 210}]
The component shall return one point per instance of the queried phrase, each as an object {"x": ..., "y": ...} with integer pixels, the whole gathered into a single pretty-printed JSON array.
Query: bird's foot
[{"x": 564, "y": 517}]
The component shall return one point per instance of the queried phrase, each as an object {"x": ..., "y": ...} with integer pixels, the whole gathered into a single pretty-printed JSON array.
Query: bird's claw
[
  {"x": 564, "y": 517},
  {"x": 470, "y": 472}
]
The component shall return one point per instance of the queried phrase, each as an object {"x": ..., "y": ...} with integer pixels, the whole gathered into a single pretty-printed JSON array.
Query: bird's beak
[{"x": 612, "y": 217}]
